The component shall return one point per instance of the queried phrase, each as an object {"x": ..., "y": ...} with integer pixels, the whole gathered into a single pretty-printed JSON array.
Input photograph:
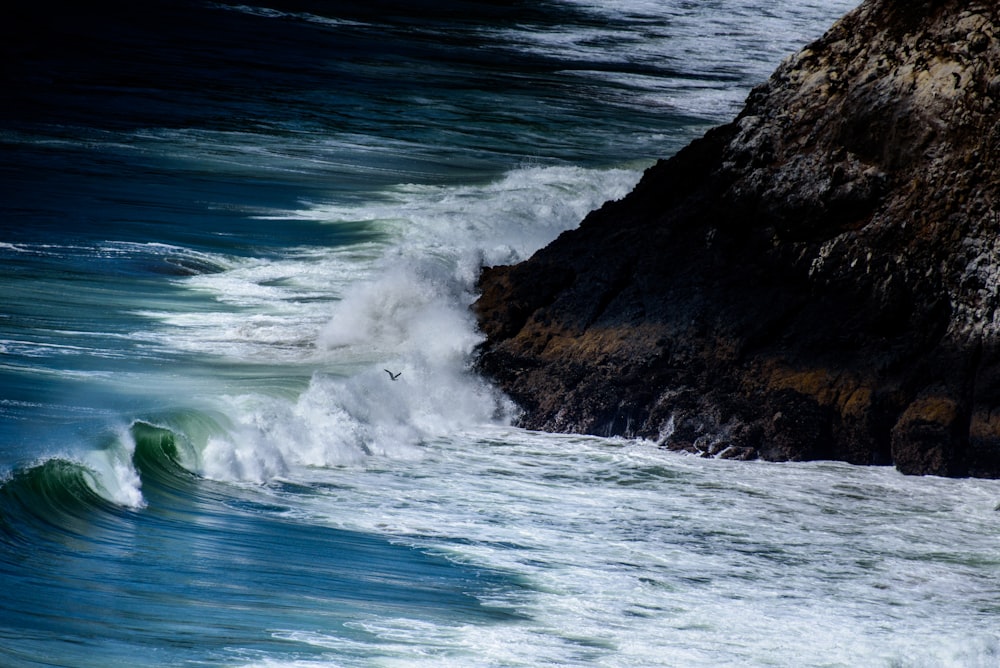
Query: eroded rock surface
[{"x": 816, "y": 280}]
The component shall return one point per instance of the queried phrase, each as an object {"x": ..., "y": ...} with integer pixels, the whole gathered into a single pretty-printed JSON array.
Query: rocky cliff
[{"x": 819, "y": 279}]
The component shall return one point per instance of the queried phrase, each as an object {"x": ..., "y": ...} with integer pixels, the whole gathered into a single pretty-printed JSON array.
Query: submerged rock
[{"x": 817, "y": 279}]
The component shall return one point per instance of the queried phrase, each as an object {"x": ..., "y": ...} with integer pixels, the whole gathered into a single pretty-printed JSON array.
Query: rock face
[{"x": 819, "y": 279}]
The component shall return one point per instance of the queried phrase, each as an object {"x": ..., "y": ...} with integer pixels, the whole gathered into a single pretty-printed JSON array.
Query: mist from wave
[{"x": 400, "y": 305}]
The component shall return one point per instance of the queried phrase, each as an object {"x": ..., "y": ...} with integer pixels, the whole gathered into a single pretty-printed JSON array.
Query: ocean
[{"x": 225, "y": 228}]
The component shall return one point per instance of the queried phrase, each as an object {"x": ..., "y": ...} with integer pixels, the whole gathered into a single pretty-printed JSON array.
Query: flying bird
[{"x": 392, "y": 376}]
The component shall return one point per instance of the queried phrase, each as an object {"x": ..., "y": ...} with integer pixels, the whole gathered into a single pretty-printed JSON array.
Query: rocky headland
[{"x": 818, "y": 279}]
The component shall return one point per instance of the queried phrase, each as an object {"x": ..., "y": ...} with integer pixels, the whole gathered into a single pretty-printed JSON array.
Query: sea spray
[
  {"x": 115, "y": 476},
  {"x": 400, "y": 305},
  {"x": 340, "y": 421}
]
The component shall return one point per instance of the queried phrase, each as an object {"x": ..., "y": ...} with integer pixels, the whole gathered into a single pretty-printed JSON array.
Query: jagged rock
[{"x": 816, "y": 280}]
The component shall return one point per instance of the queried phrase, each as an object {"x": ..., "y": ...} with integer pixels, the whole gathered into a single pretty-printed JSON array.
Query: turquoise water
[{"x": 220, "y": 224}]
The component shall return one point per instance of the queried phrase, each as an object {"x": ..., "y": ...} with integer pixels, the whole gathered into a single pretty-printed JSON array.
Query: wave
[
  {"x": 401, "y": 306},
  {"x": 57, "y": 494},
  {"x": 166, "y": 259},
  {"x": 298, "y": 344},
  {"x": 126, "y": 256},
  {"x": 320, "y": 326},
  {"x": 162, "y": 456},
  {"x": 68, "y": 494},
  {"x": 163, "y": 460}
]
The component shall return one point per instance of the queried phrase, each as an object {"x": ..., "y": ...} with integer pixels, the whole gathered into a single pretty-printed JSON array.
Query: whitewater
[{"x": 230, "y": 226}]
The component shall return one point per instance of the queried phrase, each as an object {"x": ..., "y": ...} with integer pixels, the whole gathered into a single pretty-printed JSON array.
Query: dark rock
[{"x": 816, "y": 280}]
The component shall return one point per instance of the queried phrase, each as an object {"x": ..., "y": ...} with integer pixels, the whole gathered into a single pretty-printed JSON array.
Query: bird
[{"x": 392, "y": 376}]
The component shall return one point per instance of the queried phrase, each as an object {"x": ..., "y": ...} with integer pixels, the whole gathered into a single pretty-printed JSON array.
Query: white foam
[
  {"x": 115, "y": 476},
  {"x": 504, "y": 219},
  {"x": 633, "y": 556},
  {"x": 341, "y": 421},
  {"x": 258, "y": 309}
]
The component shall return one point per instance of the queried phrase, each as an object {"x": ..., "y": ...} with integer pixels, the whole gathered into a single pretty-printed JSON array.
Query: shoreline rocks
[{"x": 818, "y": 279}]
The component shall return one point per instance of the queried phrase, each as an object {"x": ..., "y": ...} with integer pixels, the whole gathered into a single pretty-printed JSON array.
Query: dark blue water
[{"x": 220, "y": 223}]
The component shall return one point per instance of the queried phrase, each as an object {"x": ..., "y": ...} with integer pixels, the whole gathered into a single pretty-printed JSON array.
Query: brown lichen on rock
[
  {"x": 817, "y": 279},
  {"x": 927, "y": 437}
]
